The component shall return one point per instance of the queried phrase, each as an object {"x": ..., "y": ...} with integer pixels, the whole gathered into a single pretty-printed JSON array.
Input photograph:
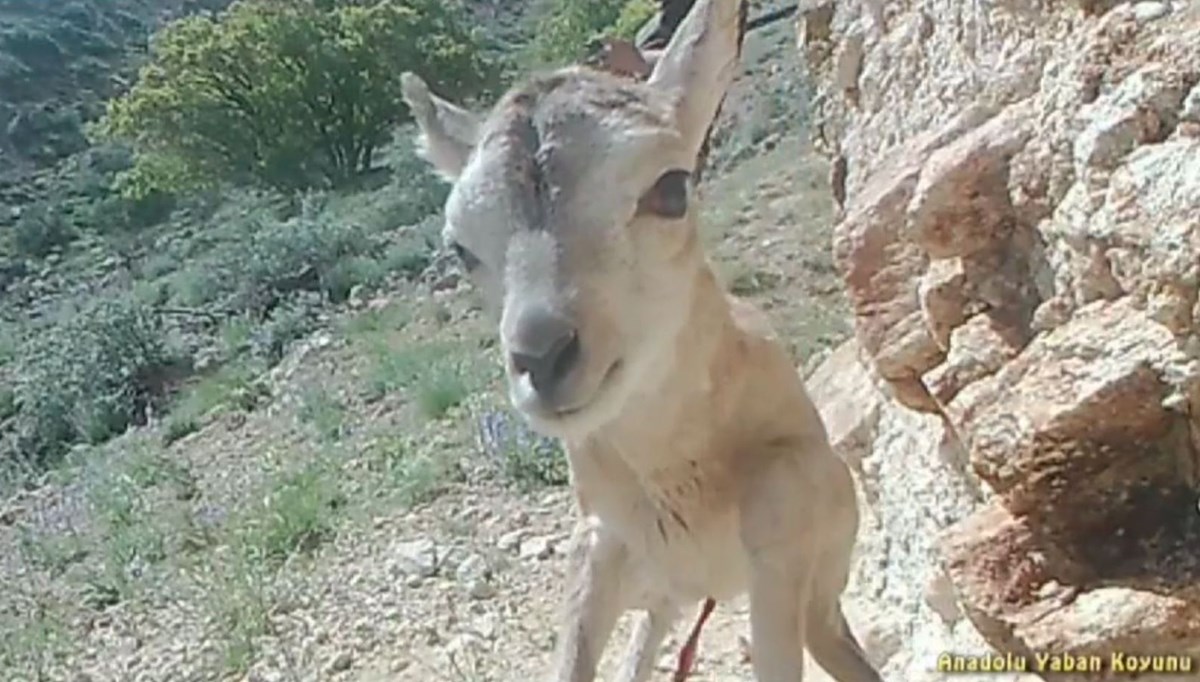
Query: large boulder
[{"x": 1020, "y": 241}]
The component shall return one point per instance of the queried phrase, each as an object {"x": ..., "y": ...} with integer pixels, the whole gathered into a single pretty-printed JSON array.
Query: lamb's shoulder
[{"x": 751, "y": 321}]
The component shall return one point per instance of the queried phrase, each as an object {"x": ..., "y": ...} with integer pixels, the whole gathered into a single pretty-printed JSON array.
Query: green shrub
[
  {"x": 89, "y": 377},
  {"x": 134, "y": 537},
  {"x": 280, "y": 270},
  {"x": 535, "y": 465},
  {"x": 287, "y": 94},
  {"x": 287, "y": 323},
  {"x": 39, "y": 231},
  {"x": 632, "y": 18},
  {"x": 565, "y": 30},
  {"x": 178, "y": 427}
]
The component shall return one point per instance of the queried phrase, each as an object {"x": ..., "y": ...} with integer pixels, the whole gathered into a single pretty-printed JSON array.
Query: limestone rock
[
  {"x": 978, "y": 348},
  {"x": 415, "y": 558},
  {"x": 1020, "y": 245},
  {"x": 944, "y": 301},
  {"x": 849, "y": 402},
  {"x": 1141, "y": 110},
  {"x": 961, "y": 205}
]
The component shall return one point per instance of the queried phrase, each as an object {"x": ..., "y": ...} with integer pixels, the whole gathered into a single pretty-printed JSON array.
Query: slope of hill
[
  {"x": 339, "y": 491},
  {"x": 59, "y": 61}
]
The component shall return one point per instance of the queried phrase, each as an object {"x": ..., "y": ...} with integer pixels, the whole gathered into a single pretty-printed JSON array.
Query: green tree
[{"x": 285, "y": 94}]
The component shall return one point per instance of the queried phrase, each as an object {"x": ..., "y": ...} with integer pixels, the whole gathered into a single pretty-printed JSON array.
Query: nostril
[
  {"x": 524, "y": 364},
  {"x": 543, "y": 345},
  {"x": 547, "y": 369},
  {"x": 568, "y": 354}
]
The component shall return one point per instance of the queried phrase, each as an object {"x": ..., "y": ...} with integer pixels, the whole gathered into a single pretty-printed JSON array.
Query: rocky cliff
[{"x": 1018, "y": 184}]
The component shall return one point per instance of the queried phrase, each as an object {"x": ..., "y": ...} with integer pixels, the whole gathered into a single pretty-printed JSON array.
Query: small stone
[
  {"x": 510, "y": 541},
  {"x": 465, "y": 644},
  {"x": 414, "y": 581},
  {"x": 472, "y": 568},
  {"x": 1191, "y": 106},
  {"x": 487, "y": 626},
  {"x": 449, "y": 561},
  {"x": 939, "y": 595},
  {"x": 341, "y": 662},
  {"x": 1149, "y": 11},
  {"x": 537, "y": 548},
  {"x": 415, "y": 557},
  {"x": 480, "y": 588}
]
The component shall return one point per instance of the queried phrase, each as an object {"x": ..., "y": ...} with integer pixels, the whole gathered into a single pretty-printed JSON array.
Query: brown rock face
[{"x": 1021, "y": 248}]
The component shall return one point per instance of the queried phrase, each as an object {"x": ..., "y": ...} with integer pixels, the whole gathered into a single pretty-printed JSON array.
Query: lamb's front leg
[
  {"x": 646, "y": 641},
  {"x": 780, "y": 549},
  {"x": 594, "y": 602},
  {"x": 777, "y": 597}
]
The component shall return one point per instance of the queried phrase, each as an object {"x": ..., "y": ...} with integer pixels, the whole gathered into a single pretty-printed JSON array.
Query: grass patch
[
  {"x": 297, "y": 514},
  {"x": 149, "y": 468},
  {"x": 233, "y": 387},
  {"x": 369, "y": 325},
  {"x": 240, "y": 599},
  {"x": 443, "y": 387},
  {"x": 51, "y": 552},
  {"x": 35, "y": 637},
  {"x": 132, "y": 534},
  {"x": 178, "y": 427},
  {"x": 437, "y": 376},
  {"x": 324, "y": 413},
  {"x": 408, "y": 476}
]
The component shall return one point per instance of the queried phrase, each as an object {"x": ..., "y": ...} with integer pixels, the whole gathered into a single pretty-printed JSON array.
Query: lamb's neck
[{"x": 690, "y": 403}]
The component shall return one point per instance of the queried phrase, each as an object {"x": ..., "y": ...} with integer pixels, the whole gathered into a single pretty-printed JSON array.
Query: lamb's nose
[{"x": 545, "y": 346}]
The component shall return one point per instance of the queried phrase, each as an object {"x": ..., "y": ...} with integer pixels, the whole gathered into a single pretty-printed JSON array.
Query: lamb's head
[{"x": 572, "y": 211}]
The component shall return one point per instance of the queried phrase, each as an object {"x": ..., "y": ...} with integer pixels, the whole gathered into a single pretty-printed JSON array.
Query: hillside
[
  {"x": 59, "y": 62},
  {"x": 332, "y": 412}
]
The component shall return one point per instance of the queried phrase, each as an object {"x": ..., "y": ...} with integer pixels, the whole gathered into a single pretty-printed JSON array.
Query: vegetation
[
  {"x": 287, "y": 95},
  {"x": 566, "y": 30},
  {"x": 89, "y": 377},
  {"x": 224, "y": 340}
]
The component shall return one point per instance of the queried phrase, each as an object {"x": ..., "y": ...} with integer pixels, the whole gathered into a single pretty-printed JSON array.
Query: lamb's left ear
[
  {"x": 699, "y": 64},
  {"x": 448, "y": 132}
]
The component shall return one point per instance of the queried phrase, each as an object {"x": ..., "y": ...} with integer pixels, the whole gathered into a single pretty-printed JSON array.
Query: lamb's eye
[
  {"x": 668, "y": 198},
  {"x": 468, "y": 259}
]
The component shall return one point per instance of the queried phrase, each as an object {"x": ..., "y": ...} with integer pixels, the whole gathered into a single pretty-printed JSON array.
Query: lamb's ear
[
  {"x": 448, "y": 132},
  {"x": 699, "y": 64}
]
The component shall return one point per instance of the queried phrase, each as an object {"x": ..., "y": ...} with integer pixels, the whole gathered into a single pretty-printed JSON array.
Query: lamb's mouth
[{"x": 610, "y": 376}]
